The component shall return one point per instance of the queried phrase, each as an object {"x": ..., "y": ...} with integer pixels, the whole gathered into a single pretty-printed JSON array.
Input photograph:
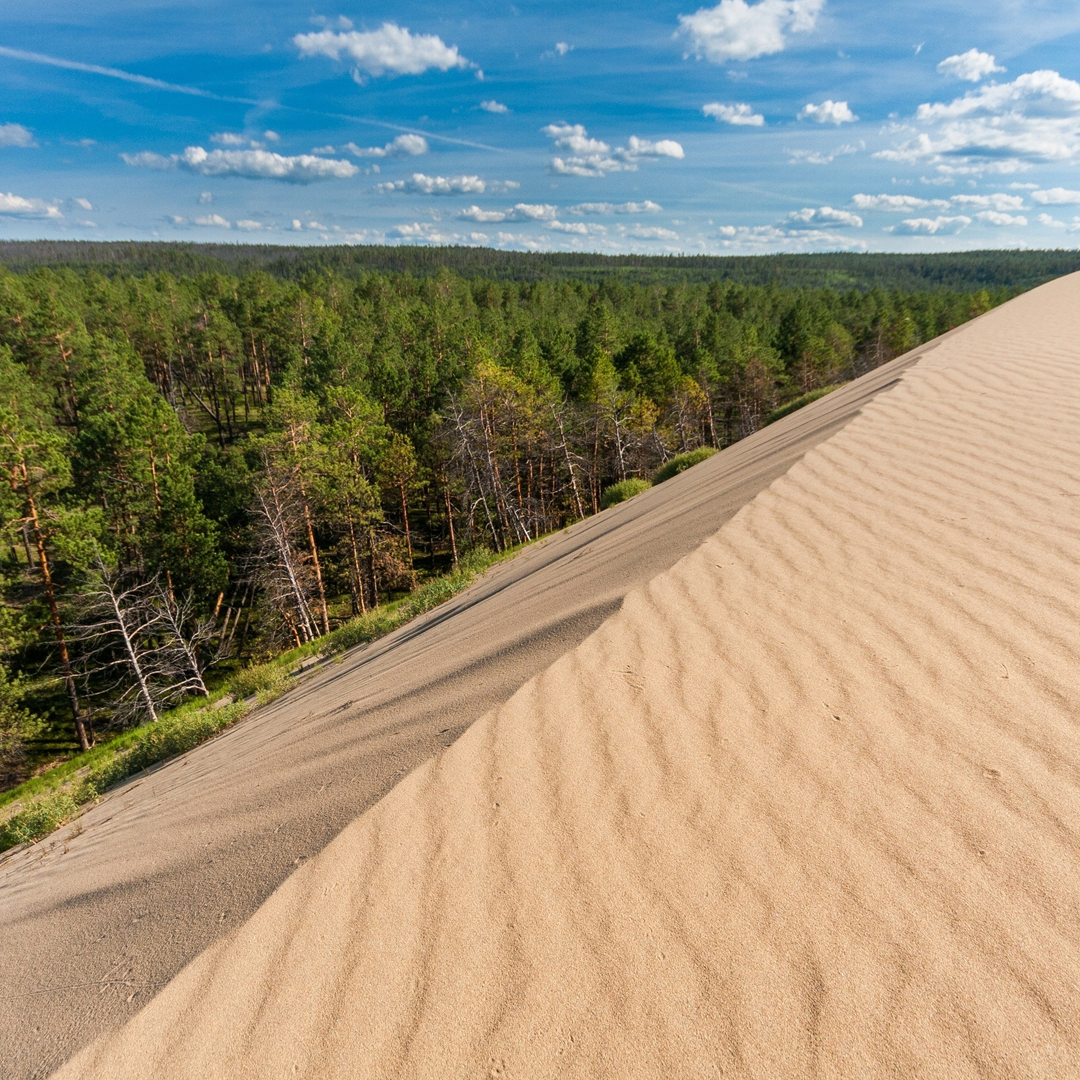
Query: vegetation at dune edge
[
  {"x": 623, "y": 490},
  {"x": 210, "y": 473},
  {"x": 681, "y": 462},
  {"x": 798, "y": 403}
]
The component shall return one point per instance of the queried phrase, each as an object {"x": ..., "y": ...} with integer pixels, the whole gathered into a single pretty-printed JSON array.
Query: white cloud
[
  {"x": 248, "y": 225},
  {"x": 229, "y": 138},
  {"x": 1057, "y": 196},
  {"x": 736, "y": 30},
  {"x": 970, "y": 66},
  {"x": 897, "y": 203},
  {"x": 271, "y": 136},
  {"x": 391, "y": 48},
  {"x": 1046, "y": 219},
  {"x": 943, "y": 226},
  {"x": 403, "y": 146},
  {"x": 253, "y": 164},
  {"x": 647, "y": 232},
  {"x": 809, "y": 217},
  {"x": 215, "y": 220},
  {"x": 436, "y": 185},
  {"x": 494, "y": 107},
  {"x": 16, "y": 135},
  {"x": 646, "y": 207},
  {"x": 995, "y": 217},
  {"x": 577, "y": 228},
  {"x": 520, "y": 212},
  {"x": 823, "y": 157},
  {"x": 998, "y": 128},
  {"x": 771, "y": 237},
  {"x": 82, "y": 204},
  {"x": 998, "y": 201},
  {"x": 426, "y": 232},
  {"x": 16, "y": 206},
  {"x": 741, "y": 115},
  {"x": 206, "y": 198},
  {"x": 594, "y": 157},
  {"x": 830, "y": 112},
  {"x": 562, "y": 48}
]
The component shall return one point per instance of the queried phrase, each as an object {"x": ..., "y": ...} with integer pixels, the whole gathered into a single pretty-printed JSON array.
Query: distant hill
[{"x": 963, "y": 271}]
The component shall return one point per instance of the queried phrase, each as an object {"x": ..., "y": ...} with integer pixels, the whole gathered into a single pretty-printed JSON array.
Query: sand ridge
[{"x": 807, "y": 805}]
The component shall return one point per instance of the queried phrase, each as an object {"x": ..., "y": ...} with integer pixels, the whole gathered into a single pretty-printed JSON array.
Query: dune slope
[{"x": 807, "y": 805}]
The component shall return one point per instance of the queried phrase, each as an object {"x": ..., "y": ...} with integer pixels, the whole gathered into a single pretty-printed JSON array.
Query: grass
[
  {"x": 623, "y": 490},
  {"x": 44, "y": 803},
  {"x": 681, "y": 462},
  {"x": 798, "y": 403}
]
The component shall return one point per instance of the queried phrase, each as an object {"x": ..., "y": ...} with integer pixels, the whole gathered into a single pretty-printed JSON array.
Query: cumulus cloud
[
  {"x": 777, "y": 238},
  {"x": 16, "y": 135},
  {"x": 1057, "y": 196},
  {"x": 741, "y": 114},
  {"x": 1052, "y": 222},
  {"x": 252, "y": 164},
  {"x": 249, "y": 225},
  {"x": 215, "y": 220},
  {"x": 594, "y": 157},
  {"x": 939, "y": 226},
  {"x": 736, "y": 30},
  {"x": 577, "y": 228},
  {"x": 646, "y": 207},
  {"x": 229, "y": 138},
  {"x": 995, "y": 217},
  {"x": 391, "y": 49},
  {"x": 997, "y": 201},
  {"x": 520, "y": 212},
  {"x": 811, "y": 218},
  {"x": 403, "y": 146},
  {"x": 896, "y": 203},
  {"x": 562, "y": 48},
  {"x": 830, "y": 112},
  {"x": 998, "y": 128},
  {"x": 970, "y": 66},
  {"x": 16, "y": 206},
  {"x": 426, "y": 232},
  {"x": 647, "y": 232},
  {"x": 494, "y": 107},
  {"x": 422, "y": 184},
  {"x": 83, "y": 204}
]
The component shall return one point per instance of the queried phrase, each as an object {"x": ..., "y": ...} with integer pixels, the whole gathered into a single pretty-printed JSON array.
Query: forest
[{"x": 204, "y": 470}]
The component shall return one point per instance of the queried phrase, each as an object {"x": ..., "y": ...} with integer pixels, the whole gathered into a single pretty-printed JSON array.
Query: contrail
[
  {"x": 194, "y": 91},
  {"x": 116, "y": 73}
]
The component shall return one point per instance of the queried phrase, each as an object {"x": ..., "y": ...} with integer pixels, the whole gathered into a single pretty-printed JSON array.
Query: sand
[{"x": 806, "y": 805}]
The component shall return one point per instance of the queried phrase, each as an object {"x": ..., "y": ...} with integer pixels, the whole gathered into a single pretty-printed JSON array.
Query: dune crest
[{"x": 808, "y": 805}]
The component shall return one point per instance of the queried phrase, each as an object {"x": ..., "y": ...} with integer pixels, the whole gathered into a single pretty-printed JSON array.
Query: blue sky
[{"x": 773, "y": 125}]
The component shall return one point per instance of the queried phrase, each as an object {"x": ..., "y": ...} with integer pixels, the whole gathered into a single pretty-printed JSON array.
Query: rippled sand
[{"x": 808, "y": 805}]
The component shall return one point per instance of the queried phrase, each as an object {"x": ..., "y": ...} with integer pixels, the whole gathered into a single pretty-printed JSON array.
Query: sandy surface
[
  {"x": 807, "y": 805},
  {"x": 101, "y": 915}
]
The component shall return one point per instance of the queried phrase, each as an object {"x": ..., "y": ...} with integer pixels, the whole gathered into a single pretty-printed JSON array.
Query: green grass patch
[
  {"x": 48, "y": 801},
  {"x": 623, "y": 490},
  {"x": 682, "y": 462},
  {"x": 798, "y": 403}
]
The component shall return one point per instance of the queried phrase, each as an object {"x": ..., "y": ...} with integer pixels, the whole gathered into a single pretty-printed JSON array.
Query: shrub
[
  {"x": 256, "y": 678},
  {"x": 623, "y": 490},
  {"x": 798, "y": 403},
  {"x": 39, "y": 819},
  {"x": 681, "y": 462}
]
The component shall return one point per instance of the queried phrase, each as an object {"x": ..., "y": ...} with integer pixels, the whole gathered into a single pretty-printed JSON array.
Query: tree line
[{"x": 205, "y": 470}]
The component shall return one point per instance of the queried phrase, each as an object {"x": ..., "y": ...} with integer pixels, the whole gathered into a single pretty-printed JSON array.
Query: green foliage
[
  {"x": 681, "y": 462},
  {"x": 623, "y": 490},
  {"x": 798, "y": 403},
  {"x": 39, "y": 819},
  {"x": 257, "y": 678}
]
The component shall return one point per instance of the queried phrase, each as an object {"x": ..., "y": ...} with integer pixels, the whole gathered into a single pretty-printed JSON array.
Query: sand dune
[{"x": 807, "y": 805}]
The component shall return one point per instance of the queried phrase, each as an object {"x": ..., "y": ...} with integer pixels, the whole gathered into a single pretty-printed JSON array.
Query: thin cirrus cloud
[
  {"x": 739, "y": 115},
  {"x": 391, "y": 49},
  {"x": 251, "y": 164},
  {"x": 970, "y": 66},
  {"x": 421, "y": 184},
  {"x": 736, "y": 30},
  {"x": 999, "y": 128},
  {"x": 595, "y": 158},
  {"x": 16, "y": 135},
  {"x": 19, "y": 207},
  {"x": 829, "y": 112}
]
